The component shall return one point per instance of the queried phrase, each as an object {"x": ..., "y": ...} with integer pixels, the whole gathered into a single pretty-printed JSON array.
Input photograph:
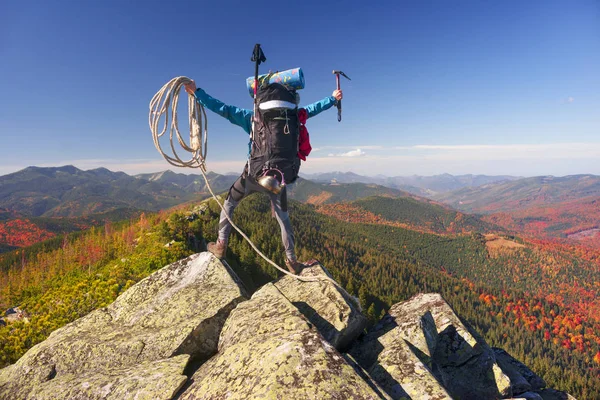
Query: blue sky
[{"x": 460, "y": 87}]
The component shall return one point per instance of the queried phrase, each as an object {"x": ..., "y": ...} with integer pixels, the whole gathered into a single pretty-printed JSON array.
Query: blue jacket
[{"x": 242, "y": 117}]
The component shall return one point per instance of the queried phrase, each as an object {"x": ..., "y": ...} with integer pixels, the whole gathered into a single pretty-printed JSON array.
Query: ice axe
[{"x": 337, "y": 80}]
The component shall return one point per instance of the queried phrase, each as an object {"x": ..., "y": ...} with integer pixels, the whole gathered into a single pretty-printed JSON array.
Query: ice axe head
[{"x": 337, "y": 74}]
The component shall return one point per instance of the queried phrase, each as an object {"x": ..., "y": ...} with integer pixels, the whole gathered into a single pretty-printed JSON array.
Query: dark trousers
[{"x": 246, "y": 185}]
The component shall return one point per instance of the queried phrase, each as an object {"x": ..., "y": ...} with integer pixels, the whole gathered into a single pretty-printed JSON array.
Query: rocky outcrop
[
  {"x": 397, "y": 354},
  {"x": 268, "y": 350},
  {"x": 177, "y": 310},
  {"x": 336, "y": 314},
  {"x": 422, "y": 345},
  {"x": 14, "y": 314},
  {"x": 188, "y": 332}
]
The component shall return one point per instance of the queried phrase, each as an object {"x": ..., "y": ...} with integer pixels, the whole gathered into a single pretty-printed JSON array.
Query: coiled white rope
[{"x": 167, "y": 99}]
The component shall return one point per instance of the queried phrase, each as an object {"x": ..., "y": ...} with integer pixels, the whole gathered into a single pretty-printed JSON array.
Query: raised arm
[
  {"x": 237, "y": 116},
  {"x": 325, "y": 104}
]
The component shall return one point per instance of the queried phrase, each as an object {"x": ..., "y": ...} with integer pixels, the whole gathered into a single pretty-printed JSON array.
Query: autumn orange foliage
[{"x": 22, "y": 232}]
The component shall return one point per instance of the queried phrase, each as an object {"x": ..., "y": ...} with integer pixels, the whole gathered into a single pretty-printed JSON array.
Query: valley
[{"x": 535, "y": 297}]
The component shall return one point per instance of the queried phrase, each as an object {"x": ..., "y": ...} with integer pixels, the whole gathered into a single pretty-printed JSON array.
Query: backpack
[{"x": 274, "y": 150}]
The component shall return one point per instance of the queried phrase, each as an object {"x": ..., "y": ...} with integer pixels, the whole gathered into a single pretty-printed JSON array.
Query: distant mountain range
[
  {"x": 521, "y": 194},
  {"x": 428, "y": 186},
  {"x": 38, "y": 203},
  {"x": 68, "y": 191},
  {"x": 542, "y": 206},
  {"x": 545, "y": 206}
]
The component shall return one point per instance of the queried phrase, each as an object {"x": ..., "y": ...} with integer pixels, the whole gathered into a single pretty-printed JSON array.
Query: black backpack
[{"x": 276, "y": 132}]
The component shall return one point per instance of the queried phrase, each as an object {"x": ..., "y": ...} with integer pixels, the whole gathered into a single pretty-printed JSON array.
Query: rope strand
[{"x": 167, "y": 99}]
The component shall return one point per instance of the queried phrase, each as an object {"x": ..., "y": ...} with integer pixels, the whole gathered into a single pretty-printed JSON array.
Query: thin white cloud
[
  {"x": 353, "y": 153},
  {"x": 570, "y": 99}
]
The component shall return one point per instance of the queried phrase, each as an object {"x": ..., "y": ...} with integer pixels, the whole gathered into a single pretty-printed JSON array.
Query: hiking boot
[
  {"x": 218, "y": 249},
  {"x": 294, "y": 266}
]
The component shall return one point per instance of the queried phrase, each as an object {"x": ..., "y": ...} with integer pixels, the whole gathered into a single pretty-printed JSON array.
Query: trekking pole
[
  {"x": 257, "y": 57},
  {"x": 337, "y": 80}
]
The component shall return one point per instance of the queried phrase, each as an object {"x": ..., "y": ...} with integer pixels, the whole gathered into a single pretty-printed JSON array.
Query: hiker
[{"x": 277, "y": 99}]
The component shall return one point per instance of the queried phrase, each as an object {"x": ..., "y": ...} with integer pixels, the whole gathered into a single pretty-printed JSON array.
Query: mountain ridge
[
  {"x": 426, "y": 186},
  {"x": 33, "y": 196},
  {"x": 545, "y": 207},
  {"x": 69, "y": 191}
]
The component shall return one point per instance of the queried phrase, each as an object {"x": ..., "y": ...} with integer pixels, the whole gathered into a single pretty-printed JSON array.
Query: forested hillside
[
  {"x": 18, "y": 230},
  {"x": 565, "y": 209},
  {"x": 40, "y": 203},
  {"x": 309, "y": 192},
  {"x": 495, "y": 289},
  {"x": 416, "y": 214},
  {"x": 575, "y": 221}
]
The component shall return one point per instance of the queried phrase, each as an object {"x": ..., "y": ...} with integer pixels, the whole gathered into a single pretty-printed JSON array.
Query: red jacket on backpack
[{"x": 304, "y": 147}]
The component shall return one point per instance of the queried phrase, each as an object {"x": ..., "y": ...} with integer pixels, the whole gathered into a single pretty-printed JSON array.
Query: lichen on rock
[
  {"x": 269, "y": 350},
  {"x": 335, "y": 313},
  {"x": 156, "y": 380}
]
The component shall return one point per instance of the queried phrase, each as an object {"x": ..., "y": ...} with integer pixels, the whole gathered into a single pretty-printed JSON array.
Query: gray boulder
[
  {"x": 392, "y": 362},
  {"x": 422, "y": 350},
  {"x": 335, "y": 314},
  {"x": 179, "y": 309},
  {"x": 267, "y": 349},
  {"x": 160, "y": 379},
  {"x": 15, "y": 314},
  {"x": 522, "y": 378}
]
